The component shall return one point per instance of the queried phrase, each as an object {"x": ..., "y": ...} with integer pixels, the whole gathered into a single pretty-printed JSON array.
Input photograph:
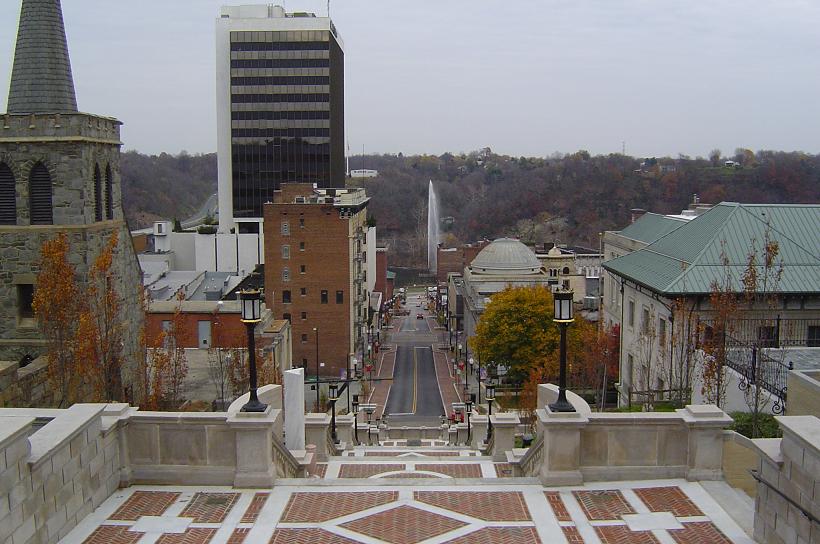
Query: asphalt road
[{"x": 414, "y": 396}]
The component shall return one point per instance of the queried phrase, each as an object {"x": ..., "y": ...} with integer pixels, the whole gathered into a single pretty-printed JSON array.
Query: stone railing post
[
  {"x": 561, "y": 461},
  {"x": 317, "y": 427},
  {"x": 478, "y": 429},
  {"x": 705, "y": 457},
  {"x": 344, "y": 431},
  {"x": 504, "y": 427},
  {"x": 254, "y": 447}
]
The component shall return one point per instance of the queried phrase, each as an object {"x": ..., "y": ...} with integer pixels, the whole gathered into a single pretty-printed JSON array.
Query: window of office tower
[{"x": 287, "y": 104}]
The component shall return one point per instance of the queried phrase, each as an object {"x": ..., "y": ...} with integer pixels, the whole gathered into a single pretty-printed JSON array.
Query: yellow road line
[{"x": 415, "y": 379}]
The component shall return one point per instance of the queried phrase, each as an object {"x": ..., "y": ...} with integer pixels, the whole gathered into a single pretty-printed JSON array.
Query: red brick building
[
  {"x": 455, "y": 259},
  {"x": 315, "y": 242}
]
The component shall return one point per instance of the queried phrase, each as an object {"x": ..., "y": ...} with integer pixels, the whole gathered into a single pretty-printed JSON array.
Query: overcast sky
[{"x": 524, "y": 77}]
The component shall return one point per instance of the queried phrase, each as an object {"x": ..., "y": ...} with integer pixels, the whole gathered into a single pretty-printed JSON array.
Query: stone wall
[
  {"x": 804, "y": 393},
  {"x": 789, "y": 486},
  {"x": 52, "y": 476},
  {"x": 55, "y": 477},
  {"x": 582, "y": 447},
  {"x": 25, "y": 387},
  {"x": 739, "y": 456}
]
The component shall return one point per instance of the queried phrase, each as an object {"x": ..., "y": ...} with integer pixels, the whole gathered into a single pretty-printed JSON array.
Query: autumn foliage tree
[
  {"x": 57, "y": 306},
  {"x": 100, "y": 330}
]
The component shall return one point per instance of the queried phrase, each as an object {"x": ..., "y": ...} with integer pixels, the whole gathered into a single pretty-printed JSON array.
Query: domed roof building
[{"x": 504, "y": 262}]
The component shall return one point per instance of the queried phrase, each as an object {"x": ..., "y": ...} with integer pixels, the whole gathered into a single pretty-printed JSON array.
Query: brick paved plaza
[{"x": 349, "y": 510}]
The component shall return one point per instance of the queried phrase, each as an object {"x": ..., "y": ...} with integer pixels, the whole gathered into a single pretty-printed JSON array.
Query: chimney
[{"x": 636, "y": 213}]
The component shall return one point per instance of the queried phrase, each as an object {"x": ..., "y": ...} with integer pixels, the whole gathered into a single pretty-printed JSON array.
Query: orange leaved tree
[{"x": 57, "y": 306}]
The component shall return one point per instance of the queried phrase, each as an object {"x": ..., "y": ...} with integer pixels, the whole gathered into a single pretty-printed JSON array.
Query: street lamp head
[
  {"x": 490, "y": 396},
  {"x": 251, "y": 304},
  {"x": 563, "y": 307},
  {"x": 333, "y": 392}
]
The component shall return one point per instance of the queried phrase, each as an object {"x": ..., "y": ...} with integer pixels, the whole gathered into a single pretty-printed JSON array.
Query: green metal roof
[
  {"x": 686, "y": 260},
  {"x": 651, "y": 226}
]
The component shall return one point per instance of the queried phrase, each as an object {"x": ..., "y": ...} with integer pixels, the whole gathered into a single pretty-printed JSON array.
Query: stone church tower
[{"x": 59, "y": 172}]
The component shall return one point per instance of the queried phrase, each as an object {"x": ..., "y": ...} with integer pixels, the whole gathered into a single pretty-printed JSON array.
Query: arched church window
[
  {"x": 98, "y": 196},
  {"x": 8, "y": 196},
  {"x": 109, "y": 193},
  {"x": 40, "y": 196}
]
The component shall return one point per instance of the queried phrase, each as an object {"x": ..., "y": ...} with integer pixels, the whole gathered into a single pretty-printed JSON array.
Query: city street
[{"x": 414, "y": 397}]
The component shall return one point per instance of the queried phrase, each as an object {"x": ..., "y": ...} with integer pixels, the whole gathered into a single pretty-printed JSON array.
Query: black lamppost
[
  {"x": 490, "y": 398},
  {"x": 318, "y": 401},
  {"x": 468, "y": 405},
  {"x": 251, "y": 304},
  {"x": 563, "y": 316},
  {"x": 332, "y": 397},
  {"x": 356, "y": 418}
]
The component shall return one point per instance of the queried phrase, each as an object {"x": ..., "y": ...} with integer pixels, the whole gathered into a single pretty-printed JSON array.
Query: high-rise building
[
  {"x": 59, "y": 173},
  {"x": 316, "y": 259},
  {"x": 280, "y": 107}
]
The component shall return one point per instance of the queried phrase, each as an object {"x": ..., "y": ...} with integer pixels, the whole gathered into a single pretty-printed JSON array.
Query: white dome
[{"x": 506, "y": 256}]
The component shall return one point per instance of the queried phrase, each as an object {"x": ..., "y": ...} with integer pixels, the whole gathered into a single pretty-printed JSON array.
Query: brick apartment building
[{"x": 315, "y": 272}]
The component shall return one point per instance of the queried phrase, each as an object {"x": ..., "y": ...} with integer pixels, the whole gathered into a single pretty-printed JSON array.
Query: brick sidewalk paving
[
  {"x": 378, "y": 396},
  {"x": 446, "y": 383},
  {"x": 667, "y": 511}
]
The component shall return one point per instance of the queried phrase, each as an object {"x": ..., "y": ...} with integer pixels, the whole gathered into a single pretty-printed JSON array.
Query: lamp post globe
[
  {"x": 250, "y": 301},
  {"x": 563, "y": 316}
]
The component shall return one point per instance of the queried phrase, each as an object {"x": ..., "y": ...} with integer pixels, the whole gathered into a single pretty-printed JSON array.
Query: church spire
[{"x": 41, "y": 79}]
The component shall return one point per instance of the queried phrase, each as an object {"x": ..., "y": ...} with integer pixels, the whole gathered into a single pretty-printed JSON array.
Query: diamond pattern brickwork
[
  {"x": 668, "y": 499},
  {"x": 499, "y": 535},
  {"x": 620, "y": 534},
  {"x": 191, "y": 536},
  {"x": 113, "y": 534},
  {"x": 603, "y": 505},
  {"x": 144, "y": 503},
  {"x": 320, "y": 507},
  {"x": 403, "y": 525},
  {"x": 484, "y": 505},
  {"x": 307, "y": 536},
  {"x": 455, "y": 470},
  {"x": 699, "y": 532},
  {"x": 362, "y": 470},
  {"x": 210, "y": 507}
]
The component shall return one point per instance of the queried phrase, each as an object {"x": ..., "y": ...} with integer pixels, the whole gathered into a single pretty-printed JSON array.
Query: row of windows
[
  {"x": 280, "y": 133},
  {"x": 280, "y": 115},
  {"x": 240, "y": 36},
  {"x": 280, "y": 63},
  {"x": 281, "y": 80},
  {"x": 279, "y": 46},
  {"x": 274, "y": 98},
  {"x": 323, "y": 296}
]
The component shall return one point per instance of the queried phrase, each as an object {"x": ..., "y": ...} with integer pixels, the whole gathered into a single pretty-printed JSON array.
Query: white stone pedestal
[
  {"x": 295, "y": 409},
  {"x": 562, "y": 446},
  {"x": 317, "y": 429},
  {"x": 504, "y": 427},
  {"x": 254, "y": 453}
]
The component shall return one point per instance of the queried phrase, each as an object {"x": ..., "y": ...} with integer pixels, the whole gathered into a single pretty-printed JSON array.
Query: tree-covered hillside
[{"x": 568, "y": 198}]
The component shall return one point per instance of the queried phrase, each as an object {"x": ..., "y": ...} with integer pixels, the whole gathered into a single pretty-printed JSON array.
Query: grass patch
[{"x": 767, "y": 427}]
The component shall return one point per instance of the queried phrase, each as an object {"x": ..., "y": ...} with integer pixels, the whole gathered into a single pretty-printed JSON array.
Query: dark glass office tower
[{"x": 286, "y": 105}]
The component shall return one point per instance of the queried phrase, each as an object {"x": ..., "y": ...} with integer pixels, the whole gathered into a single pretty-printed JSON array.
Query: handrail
[
  {"x": 791, "y": 501},
  {"x": 533, "y": 455},
  {"x": 289, "y": 464}
]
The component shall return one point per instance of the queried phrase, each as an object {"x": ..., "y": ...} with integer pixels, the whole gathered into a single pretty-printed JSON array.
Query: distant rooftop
[{"x": 690, "y": 257}]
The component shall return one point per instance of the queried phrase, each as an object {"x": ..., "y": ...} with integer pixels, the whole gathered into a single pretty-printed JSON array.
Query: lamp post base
[
  {"x": 254, "y": 405},
  {"x": 561, "y": 405}
]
